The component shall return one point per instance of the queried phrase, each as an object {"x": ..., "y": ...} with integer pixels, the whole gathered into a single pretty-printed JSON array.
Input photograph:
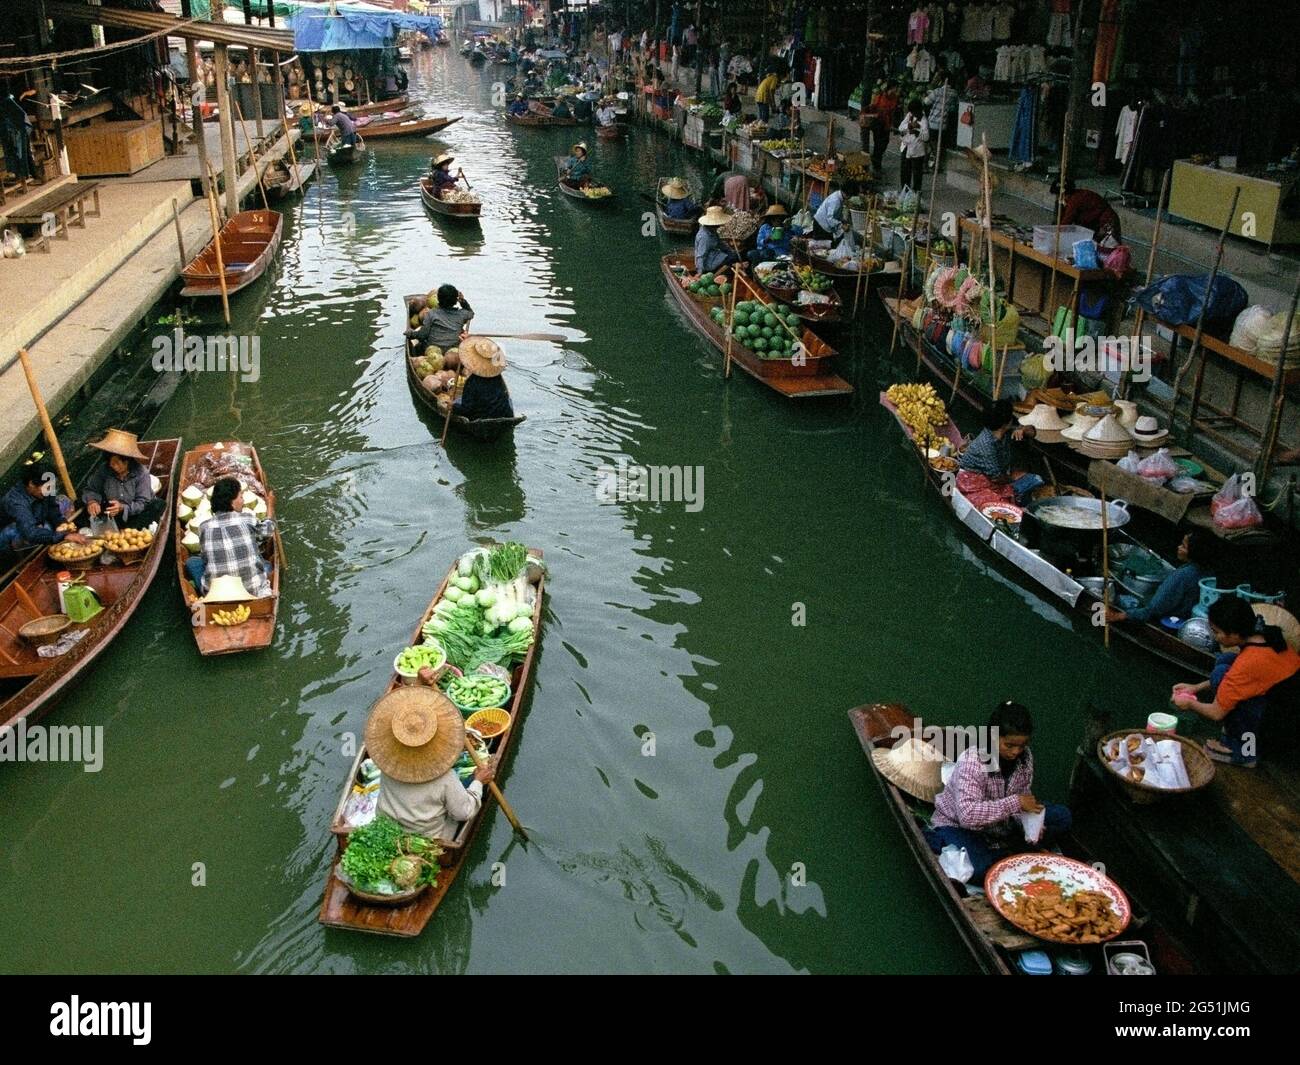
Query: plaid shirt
[
  {"x": 977, "y": 797},
  {"x": 229, "y": 545},
  {"x": 988, "y": 455}
]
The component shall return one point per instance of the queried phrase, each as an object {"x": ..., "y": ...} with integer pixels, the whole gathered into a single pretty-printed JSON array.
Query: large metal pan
[{"x": 1071, "y": 525}]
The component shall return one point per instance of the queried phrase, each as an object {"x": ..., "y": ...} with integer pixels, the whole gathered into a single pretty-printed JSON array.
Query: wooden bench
[{"x": 59, "y": 208}]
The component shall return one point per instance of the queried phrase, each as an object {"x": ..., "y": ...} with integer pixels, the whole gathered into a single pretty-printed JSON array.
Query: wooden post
[
  {"x": 180, "y": 239},
  {"x": 277, "y": 79},
  {"x": 731, "y": 323},
  {"x": 44, "y": 416},
  {"x": 226, "y": 123},
  {"x": 1048, "y": 309},
  {"x": 1151, "y": 266},
  {"x": 1277, "y": 399},
  {"x": 196, "y": 110},
  {"x": 1105, "y": 568},
  {"x": 216, "y": 244},
  {"x": 699, "y": 47},
  {"x": 253, "y": 61}
]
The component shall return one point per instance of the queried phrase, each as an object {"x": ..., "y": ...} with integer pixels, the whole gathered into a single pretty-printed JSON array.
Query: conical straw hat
[
  {"x": 714, "y": 216},
  {"x": 914, "y": 766},
  {"x": 1045, "y": 417},
  {"x": 1108, "y": 432},
  {"x": 227, "y": 588},
  {"x": 415, "y": 734},
  {"x": 675, "y": 189},
  {"x": 120, "y": 442},
  {"x": 1079, "y": 423}
]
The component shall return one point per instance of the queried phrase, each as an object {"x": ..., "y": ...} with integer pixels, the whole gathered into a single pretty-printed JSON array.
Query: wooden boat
[
  {"x": 379, "y": 107},
  {"x": 811, "y": 377},
  {"x": 992, "y": 941},
  {"x": 827, "y": 314},
  {"x": 486, "y": 429},
  {"x": 406, "y": 127},
  {"x": 339, "y": 154},
  {"x": 30, "y": 684},
  {"x": 258, "y": 631},
  {"x": 847, "y": 282},
  {"x": 677, "y": 227},
  {"x": 538, "y": 121},
  {"x": 340, "y": 908},
  {"x": 284, "y": 180},
  {"x": 575, "y": 192},
  {"x": 460, "y": 212},
  {"x": 1224, "y": 862},
  {"x": 613, "y": 132},
  {"x": 248, "y": 244},
  {"x": 1074, "y": 590}
]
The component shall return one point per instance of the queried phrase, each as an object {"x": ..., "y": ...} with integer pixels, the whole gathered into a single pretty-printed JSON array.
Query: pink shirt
[{"x": 979, "y": 798}]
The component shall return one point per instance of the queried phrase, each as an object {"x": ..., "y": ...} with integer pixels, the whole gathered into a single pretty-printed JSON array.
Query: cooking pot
[{"x": 1049, "y": 528}]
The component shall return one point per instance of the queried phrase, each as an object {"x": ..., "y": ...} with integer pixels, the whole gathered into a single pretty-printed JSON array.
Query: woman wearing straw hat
[
  {"x": 678, "y": 203},
  {"x": 485, "y": 394},
  {"x": 414, "y": 735},
  {"x": 441, "y": 175},
  {"x": 773, "y": 239},
  {"x": 710, "y": 255},
  {"x": 122, "y": 487},
  {"x": 577, "y": 168}
]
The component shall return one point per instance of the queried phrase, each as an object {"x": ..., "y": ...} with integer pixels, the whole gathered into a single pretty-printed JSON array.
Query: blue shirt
[
  {"x": 681, "y": 209},
  {"x": 1175, "y": 597},
  {"x": 709, "y": 252},
  {"x": 988, "y": 455},
  {"x": 35, "y": 519},
  {"x": 776, "y": 247}
]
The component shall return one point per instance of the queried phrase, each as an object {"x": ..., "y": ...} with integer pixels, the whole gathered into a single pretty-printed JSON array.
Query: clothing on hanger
[
  {"x": 1023, "y": 140},
  {"x": 1125, "y": 128},
  {"x": 918, "y": 22}
]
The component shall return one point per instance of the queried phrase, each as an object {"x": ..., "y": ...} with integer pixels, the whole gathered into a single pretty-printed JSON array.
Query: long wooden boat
[
  {"x": 613, "y": 132},
  {"x": 284, "y": 180},
  {"x": 486, "y": 429},
  {"x": 992, "y": 941},
  {"x": 824, "y": 315},
  {"x": 30, "y": 684},
  {"x": 535, "y": 121},
  {"x": 1073, "y": 590},
  {"x": 812, "y": 376},
  {"x": 576, "y": 193},
  {"x": 677, "y": 227},
  {"x": 339, "y": 154},
  {"x": 259, "y": 630},
  {"x": 340, "y": 908},
  {"x": 248, "y": 244},
  {"x": 847, "y": 282},
  {"x": 460, "y": 212},
  {"x": 378, "y": 107},
  {"x": 407, "y": 127}
]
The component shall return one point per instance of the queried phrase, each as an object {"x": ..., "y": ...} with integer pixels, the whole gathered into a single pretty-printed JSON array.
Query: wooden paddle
[
  {"x": 553, "y": 338},
  {"x": 496, "y": 791},
  {"x": 450, "y": 404}
]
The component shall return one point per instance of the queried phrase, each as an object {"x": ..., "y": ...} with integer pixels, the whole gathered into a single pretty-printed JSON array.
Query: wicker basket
[
  {"x": 1200, "y": 768},
  {"x": 45, "y": 630},
  {"x": 490, "y": 715},
  {"x": 128, "y": 558},
  {"x": 76, "y": 565},
  {"x": 400, "y": 899}
]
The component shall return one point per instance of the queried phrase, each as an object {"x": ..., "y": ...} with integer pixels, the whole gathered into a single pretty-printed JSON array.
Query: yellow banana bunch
[
  {"x": 237, "y": 616},
  {"x": 920, "y": 408}
]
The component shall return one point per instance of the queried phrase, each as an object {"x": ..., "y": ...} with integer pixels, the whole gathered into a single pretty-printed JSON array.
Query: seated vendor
[
  {"x": 441, "y": 176},
  {"x": 1239, "y": 685},
  {"x": 32, "y": 512},
  {"x": 228, "y": 544},
  {"x": 484, "y": 394},
  {"x": 1083, "y": 207},
  {"x": 444, "y": 325},
  {"x": 989, "y": 454},
  {"x": 518, "y": 106},
  {"x": 577, "y": 167},
  {"x": 414, "y": 735},
  {"x": 562, "y": 109},
  {"x": 773, "y": 240},
  {"x": 989, "y": 788},
  {"x": 122, "y": 488},
  {"x": 1181, "y": 589},
  {"x": 678, "y": 203},
  {"x": 710, "y": 255}
]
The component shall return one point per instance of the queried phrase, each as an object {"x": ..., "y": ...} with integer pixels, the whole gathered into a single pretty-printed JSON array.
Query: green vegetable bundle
[{"x": 382, "y": 859}]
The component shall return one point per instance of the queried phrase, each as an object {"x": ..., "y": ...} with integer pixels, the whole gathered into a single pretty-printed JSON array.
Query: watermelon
[{"x": 760, "y": 344}]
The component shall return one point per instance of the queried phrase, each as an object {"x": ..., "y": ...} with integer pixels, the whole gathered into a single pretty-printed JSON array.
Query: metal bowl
[{"x": 1195, "y": 632}]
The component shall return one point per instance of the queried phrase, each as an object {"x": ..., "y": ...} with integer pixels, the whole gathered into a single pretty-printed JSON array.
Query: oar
[
  {"x": 496, "y": 791},
  {"x": 450, "y": 404},
  {"x": 553, "y": 338},
  {"x": 461, "y": 174}
]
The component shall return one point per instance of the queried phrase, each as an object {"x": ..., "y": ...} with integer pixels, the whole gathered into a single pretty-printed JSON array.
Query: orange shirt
[{"x": 1256, "y": 670}]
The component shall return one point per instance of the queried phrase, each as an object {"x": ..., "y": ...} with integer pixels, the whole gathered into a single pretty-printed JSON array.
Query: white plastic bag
[
  {"x": 1247, "y": 327},
  {"x": 1159, "y": 467},
  {"x": 1131, "y": 463},
  {"x": 13, "y": 245},
  {"x": 1033, "y": 824},
  {"x": 1231, "y": 508},
  {"x": 956, "y": 863}
]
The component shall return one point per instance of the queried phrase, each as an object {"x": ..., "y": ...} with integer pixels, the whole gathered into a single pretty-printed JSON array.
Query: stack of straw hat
[
  {"x": 1047, "y": 422},
  {"x": 1106, "y": 440},
  {"x": 1079, "y": 423}
]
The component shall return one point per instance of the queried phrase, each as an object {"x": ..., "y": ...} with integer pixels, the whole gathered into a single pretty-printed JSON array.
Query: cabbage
[
  {"x": 453, "y": 593},
  {"x": 467, "y": 584},
  {"x": 444, "y": 606},
  {"x": 525, "y": 610},
  {"x": 485, "y": 597},
  {"x": 521, "y": 624}
]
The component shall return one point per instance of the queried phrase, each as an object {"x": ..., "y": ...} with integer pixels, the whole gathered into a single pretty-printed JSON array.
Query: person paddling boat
[{"x": 442, "y": 177}]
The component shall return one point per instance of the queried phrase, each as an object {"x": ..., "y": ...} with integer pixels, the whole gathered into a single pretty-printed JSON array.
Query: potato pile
[
  {"x": 70, "y": 552},
  {"x": 127, "y": 540}
]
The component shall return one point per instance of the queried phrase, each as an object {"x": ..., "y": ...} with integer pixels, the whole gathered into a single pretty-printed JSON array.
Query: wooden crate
[{"x": 114, "y": 147}]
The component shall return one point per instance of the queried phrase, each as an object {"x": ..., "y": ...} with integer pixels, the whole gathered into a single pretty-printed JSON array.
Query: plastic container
[
  {"x": 1034, "y": 963},
  {"x": 1161, "y": 722},
  {"x": 64, "y": 579},
  {"x": 1045, "y": 239}
]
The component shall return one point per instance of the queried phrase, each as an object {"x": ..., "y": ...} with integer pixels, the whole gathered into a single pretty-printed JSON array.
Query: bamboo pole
[
  {"x": 277, "y": 78},
  {"x": 46, "y": 426},
  {"x": 731, "y": 324},
  {"x": 1277, "y": 397},
  {"x": 1151, "y": 266},
  {"x": 315, "y": 139},
  {"x": 216, "y": 244},
  {"x": 1056, "y": 237},
  {"x": 226, "y": 127},
  {"x": 451, "y": 402},
  {"x": 252, "y": 153},
  {"x": 1105, "y": 569},
  {"x": 180, "y": 238},
  {"x": 496, "y": 792},
  {"x": 196, "y": 111},
  {"x": 934, "y": 179}
]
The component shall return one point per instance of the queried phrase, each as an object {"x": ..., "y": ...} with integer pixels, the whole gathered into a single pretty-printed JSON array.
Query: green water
[{"x": 660, "y": 620}]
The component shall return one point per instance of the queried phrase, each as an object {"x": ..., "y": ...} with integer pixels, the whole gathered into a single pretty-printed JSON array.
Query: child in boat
[
  {"x": 980, "y": 806},
  {"x": 985, "y": 466},
  {"x": 444, "y": 325},
  {"x": 1240, "y": 683}
]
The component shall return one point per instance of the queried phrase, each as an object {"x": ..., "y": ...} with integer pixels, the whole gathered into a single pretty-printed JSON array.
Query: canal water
[{"x": 697, "y": 799}]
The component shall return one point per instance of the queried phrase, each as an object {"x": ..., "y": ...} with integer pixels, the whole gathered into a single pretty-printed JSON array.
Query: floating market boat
[
  {"x": 613, "y": 132},
  {"x": 380, "y": 107},
  {"x": 283, "y": 179},
  {"x": 339, "y": 154},
  {"x": 340, "y": 908},
  {"x": 811, "y": 376},
  {"x": 1068, "y": 582},
  {"x": 248, "y": 244},
  {"x": 406, "y": 127},
  {"x": 998, "y": 946},
  {"x": 30, "y": 613},
  {"x": 536, "y": 121},
  {"x": 466, "y": 211},
  {"x": 678, "y": 227},
  {"x": 576, "y": 192},
  {"x": 199, "y": 470},
  {"x": 883, "y": 273},
  {"x": 816, "y": 308},
  {"x": 486, "y": 429}
]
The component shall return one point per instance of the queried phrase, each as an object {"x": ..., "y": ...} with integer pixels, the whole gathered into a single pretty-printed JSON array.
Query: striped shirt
[
  {"x": 979, "y": 797},
  {"x": 988, "y": 455}
]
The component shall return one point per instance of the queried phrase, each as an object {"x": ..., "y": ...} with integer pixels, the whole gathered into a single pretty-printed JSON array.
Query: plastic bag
[
  {"x": 956, "y": 863},
  {"x": 1239, "y": 515},
  {"x": 1159, "y": 467},
  {"x": 1033, "y": 824},
  {"x": 1131, "y": 463},
  {"x": 1249, "y": 324},
  {"x": 1229, "y": 493},
  {"x": 1176, "y": 298},
  {"x": 1085, "y": 255},
  {"x": 13, "y": 245},
  {"x": 1118, "y": 261}
]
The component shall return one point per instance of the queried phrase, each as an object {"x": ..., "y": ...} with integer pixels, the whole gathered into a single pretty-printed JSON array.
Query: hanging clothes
[
  {"x": 15, "y": 134},
  {"x": 918, "y": 23},
  {"x": 1023, "y": 140},
  {"x": 1107, "y": 40},
  {"x": 1058, "y": 25},
  {"x": 1125, "y": 129}
]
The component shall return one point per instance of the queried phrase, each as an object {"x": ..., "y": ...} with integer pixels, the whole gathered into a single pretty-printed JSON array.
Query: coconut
[
  {"x": 260, "y": 508},
  {"x": 190, "y": 541},
  {"x": 184, "y": 512},
  {"x": 192, "y": 495}
]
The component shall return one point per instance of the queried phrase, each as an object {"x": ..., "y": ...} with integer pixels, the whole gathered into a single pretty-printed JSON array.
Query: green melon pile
[
  {"x": 707, "y": 285},
  {"x": 758, "y": 327}
]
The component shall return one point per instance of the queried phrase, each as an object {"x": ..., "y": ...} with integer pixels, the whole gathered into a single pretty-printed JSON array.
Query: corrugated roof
[{"x": 276, "y": 40}]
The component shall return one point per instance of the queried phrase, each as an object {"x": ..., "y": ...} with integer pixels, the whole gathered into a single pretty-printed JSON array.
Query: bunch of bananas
[
  {"x": 921, "y": 409},
  {"x": 784, "y": 145},
  {"x": 237, "y": 616},
  {"x": 596, "y": 192},
  {"x": 856, "y": 173}
]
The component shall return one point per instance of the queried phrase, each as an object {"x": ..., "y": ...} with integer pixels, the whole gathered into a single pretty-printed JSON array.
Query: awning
[
  {"x": 276, "y": 40},
  {"x": 355, "y": 26}
]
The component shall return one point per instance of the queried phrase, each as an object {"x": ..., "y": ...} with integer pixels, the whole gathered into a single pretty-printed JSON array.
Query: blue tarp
[{"x": 315, "y": 32}]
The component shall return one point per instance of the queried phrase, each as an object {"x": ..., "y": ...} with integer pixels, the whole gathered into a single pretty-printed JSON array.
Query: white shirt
[
  {"x": 913, "y": 146},
  {"x": 1124, "y": 130},
  {"x": 828, "y": 214}
]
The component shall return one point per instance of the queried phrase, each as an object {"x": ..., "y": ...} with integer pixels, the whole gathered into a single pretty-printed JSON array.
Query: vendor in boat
[
  {"x": 441, "y": 176},
  {"x": 562, "y": 108},
  {"x": 990, "y": 787},
  {"x": 518, "y": 106},
  {"x": 342, "y": 122},
  {"x": 605, "y": 113},
  {"x": 742, "y": 193},
  {"x": 577, "y": 168},
  {"x": 1237, "y": 693},
  {"x": 678, "y": 203},
  {"x": 122, "y": 488},
  {"x": 484, "y": 394},
  {"x": 33, "y": 513},
  {"x": 828, "y": 221},
  {"x": 985, "y": 465},
  {"x": 710, "y": 255},
  {"x": 444, "y": 325},
  {"x": 415, "y": 735},
  {"x": 1180, "y": 591},
  {"x": 773, "y": 240},
  {"x": 229, "y": 544}
]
